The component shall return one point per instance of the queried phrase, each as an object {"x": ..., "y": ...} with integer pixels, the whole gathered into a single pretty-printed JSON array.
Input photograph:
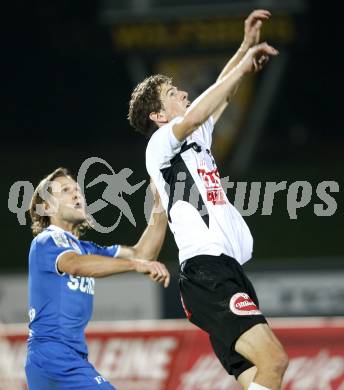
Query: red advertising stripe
[{"x": 175, "y": 355}]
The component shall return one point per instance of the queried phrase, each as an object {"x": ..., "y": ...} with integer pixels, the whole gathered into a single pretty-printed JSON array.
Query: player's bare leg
[
  {"x": 247, "y": 377},
  {"x": 260, "y": 346}
]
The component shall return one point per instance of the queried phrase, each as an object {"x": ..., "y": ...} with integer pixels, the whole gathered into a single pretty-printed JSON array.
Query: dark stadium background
[{"x": 65, "y": 98}]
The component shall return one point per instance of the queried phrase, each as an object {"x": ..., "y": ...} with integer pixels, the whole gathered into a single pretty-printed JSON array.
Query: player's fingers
[
  {"x": 263, "y": 59},
  {"x": 159, "y": 273},
  {"x": 257, "y": 15},
  {"x": 166, "y": 275},
  {"x": 265, "y": 49},
  {"x": 159, "y": 279},
  {"x": 165, "y": 270},
  {"x": 258, "y": 12},
  {"x": 152, "y": 278},
  {"x": 263, "y": 62},
  {"x": 167, "y": 280},
  {"x": 162, "y": 267},
  {"x": 153, "y": 271},
  {"x": 255, "y": 65},
  {"x": 256, "y": 31},
  {"x": 258, "y": 25},
  {"x": 162, "y": 272},
  {"x": 156, "y": 274}
]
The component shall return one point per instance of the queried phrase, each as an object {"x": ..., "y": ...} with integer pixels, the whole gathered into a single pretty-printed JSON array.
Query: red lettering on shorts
[{"x": 242, "y": 305}]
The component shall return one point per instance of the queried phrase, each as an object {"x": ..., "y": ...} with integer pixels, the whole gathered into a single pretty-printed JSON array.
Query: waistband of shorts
[
  {"x": 201, "y": 258},
  {"x": 37, "y": 344}
]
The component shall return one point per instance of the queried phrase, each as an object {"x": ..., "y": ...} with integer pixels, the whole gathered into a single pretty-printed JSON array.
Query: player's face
[
  {"x": 69, "y": 201},
  {"x": 175, "y": 102}
]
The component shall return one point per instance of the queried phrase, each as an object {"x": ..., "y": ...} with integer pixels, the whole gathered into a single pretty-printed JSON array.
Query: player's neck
[{"x": 67, "y": 226}]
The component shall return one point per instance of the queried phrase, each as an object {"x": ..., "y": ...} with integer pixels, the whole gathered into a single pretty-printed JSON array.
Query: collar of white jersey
[{"x": 58, "y": 229}]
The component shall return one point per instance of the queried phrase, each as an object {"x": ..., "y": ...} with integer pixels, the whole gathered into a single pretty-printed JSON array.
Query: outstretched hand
[
  {"x": 253, "y": 24},
  {"x": 154, "y": 269},
  {"x": 256, "y": 57}
]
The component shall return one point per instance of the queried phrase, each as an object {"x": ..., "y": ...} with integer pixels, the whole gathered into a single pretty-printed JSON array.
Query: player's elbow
[
  {"x": 139, "y": 251},
  {"x": 69, "y": 263},
  {"x": 153, "y": 256}
]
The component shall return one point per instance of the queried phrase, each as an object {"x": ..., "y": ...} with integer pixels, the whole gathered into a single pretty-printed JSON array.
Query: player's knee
[
  {"x": 277, "y": 361},
  {"x": 283, "y": 361}
]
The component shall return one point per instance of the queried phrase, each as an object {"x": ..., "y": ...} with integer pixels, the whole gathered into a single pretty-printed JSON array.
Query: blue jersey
[{"x": 60, "y": 305}]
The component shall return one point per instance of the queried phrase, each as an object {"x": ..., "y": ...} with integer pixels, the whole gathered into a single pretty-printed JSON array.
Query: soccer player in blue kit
[{"x": 62, "y": 269}]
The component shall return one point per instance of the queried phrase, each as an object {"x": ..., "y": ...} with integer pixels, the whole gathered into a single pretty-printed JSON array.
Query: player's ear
[
  {"x": 158, "y": 117},
  {"x": 50, "y": 208}
]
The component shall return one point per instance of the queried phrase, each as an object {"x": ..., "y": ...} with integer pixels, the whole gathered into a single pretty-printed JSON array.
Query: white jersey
[{"x": 199, "y": 213}]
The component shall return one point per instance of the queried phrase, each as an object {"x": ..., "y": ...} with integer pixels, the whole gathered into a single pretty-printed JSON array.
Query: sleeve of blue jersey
[
  {"x": 49, "y": 248},
  {"x": 109, "y": 251}
]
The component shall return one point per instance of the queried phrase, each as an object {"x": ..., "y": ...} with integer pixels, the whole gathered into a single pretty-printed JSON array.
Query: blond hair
[{"x": 41, "y": 222}]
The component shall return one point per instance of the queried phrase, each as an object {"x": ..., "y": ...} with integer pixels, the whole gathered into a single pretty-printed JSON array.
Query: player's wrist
[
  {"x": 241, "y": 69},
  {"x": 245, "y": 45},
  {"x": 138, "y": 265}
]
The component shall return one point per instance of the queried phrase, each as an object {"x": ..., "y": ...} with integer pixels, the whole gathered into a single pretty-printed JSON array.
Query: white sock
[{"x": 255, "y": 386}]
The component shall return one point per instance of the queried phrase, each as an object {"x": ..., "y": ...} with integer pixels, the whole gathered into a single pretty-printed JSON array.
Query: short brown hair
[
  {"x": 144, "y": 100},
  {"x": 39, "y": 222}
]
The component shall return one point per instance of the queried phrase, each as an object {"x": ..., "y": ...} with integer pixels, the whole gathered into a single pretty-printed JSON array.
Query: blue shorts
[{"x": 55, "y": 366}]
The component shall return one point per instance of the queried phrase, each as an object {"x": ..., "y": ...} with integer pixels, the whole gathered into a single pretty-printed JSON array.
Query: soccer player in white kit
[{"x": 213, "y": 239}]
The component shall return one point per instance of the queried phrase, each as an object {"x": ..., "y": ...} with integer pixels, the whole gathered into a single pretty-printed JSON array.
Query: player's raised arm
[
  {"x": 212, "y": 98},
  {"x": 252, "y": 27},
  {"x": 139, "y": 258},
  {"x": 100, "y": 266},
  {"x": 253, "y": 24},
  {"x": 149, "y": 244}
]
